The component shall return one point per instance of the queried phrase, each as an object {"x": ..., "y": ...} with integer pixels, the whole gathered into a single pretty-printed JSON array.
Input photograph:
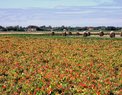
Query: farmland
[
  {"x": 100, "y": 34},
  {"x": 41, "y": 65}
]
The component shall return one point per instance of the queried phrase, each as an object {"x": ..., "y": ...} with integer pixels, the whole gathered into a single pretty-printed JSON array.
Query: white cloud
[{"x": 75, "y": 12}]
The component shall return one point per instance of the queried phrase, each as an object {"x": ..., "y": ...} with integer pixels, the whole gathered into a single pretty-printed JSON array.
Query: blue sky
[{"x": 61, "y": 12}]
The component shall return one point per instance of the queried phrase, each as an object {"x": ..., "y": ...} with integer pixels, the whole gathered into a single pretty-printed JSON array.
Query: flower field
[{"x": 60, "y": 66}]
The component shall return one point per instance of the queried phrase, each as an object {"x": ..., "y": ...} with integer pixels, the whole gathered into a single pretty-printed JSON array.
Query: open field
[
  {"x": 52, "y": 65},
  {"x": 118, "y": 34}
]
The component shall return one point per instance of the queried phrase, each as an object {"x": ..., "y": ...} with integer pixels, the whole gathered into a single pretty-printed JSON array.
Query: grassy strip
[{"x": 58, "y": 37}]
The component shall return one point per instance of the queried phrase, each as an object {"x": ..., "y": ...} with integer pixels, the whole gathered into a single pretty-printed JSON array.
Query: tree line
[{"x": 61, "y": 28}]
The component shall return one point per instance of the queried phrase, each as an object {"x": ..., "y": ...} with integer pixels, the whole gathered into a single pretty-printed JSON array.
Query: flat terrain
[
  {"x": 41, "y": 65},
  {"x": 59, "y": 33}
]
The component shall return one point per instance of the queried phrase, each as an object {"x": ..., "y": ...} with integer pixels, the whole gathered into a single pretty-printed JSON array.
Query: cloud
[
  {"x": 73, "y": 15},
  {"x": 74, "y": 12}
]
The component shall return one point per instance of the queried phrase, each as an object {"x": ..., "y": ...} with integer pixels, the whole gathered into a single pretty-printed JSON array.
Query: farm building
[
  {"x": 90, "y": 28},
  {"x": 32, "y": 28}
]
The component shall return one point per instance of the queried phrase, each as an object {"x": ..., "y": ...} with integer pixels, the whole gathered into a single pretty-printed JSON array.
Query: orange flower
[
  {"x": 59, "y": 86},
  {"x": 98, "y": 93},
  {"x": 49, "y": 91}
]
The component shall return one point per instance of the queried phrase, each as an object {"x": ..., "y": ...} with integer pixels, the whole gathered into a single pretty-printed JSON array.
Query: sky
[{"x": 61, "y": 12}]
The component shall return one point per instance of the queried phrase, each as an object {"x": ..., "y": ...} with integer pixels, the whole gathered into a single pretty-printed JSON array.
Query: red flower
[
  {"x": 3, "y": 86},
  {"x": 98, "y": 93},
  {"x": 83, "y": 85}
]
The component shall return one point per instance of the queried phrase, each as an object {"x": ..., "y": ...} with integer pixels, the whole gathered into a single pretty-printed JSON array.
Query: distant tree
[
  {"x": 42, "y": 28},
  {"x": 68, "y": 28},
  {"x": 9, "y": 28},
  {"x": 82, "y": 28},
  {"x": 2, "y": 28},
  {"x": 111, "y": 28},
  {"x": 100, "y": 28}
]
